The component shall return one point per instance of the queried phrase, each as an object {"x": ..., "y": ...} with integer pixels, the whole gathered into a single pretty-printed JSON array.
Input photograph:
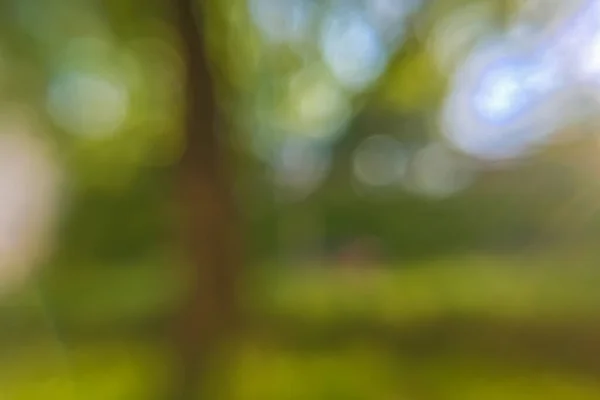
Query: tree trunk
[{"x": 208, "y": 218}]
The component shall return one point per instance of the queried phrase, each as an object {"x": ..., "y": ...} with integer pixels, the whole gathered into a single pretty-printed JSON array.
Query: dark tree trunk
[{"x": 208, "y": 218}]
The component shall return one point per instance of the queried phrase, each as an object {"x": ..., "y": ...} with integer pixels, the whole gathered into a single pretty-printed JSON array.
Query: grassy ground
[
  {"x": 461, "y": 329},
  {"x": 132, "y": 371},
  {"x": 510, "y": 288}
]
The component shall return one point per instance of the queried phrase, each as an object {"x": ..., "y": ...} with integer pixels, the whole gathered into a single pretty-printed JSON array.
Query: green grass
[
  {"x": 135, "y": 371},
  {"x": 98, "y": 371},
  {"x": 362, "y": 368},
  {"x": 365, "y": 373},
  {"x": 476, "y": 287}
]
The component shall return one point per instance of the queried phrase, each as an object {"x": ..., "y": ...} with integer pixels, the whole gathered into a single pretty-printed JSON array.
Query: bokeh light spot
[
  {"x": 455, "y": 36},
  {"x": 352, "y": 49},
  {"x": 501, "y": 94},
  {"x": 388, "y": 16},
  {"x": 316, "y": 106},
  {"x": 29, "y": 200},
  {"x": 282, "y": 21},
  {"x": 300, "y": 167},
  {"x": 438, "y": 172},
  {"x": 88, "y": 104},
  {"x": 379, "y": 161}
]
